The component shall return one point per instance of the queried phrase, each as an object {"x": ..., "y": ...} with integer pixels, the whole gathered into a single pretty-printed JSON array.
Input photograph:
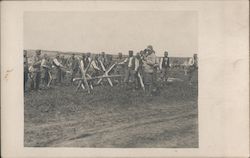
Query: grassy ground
[{"x": 113, "y": 117}]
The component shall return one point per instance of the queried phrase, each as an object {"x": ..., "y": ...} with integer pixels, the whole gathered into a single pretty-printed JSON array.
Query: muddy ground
[{"x": 113, "y": 117}]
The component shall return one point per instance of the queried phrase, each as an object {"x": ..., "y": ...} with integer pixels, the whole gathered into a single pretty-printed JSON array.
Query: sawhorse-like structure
[{"x": 106, "y": 74}]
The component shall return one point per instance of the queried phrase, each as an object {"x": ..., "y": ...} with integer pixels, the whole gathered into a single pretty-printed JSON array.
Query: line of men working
[
  {"x": 43, "y": 69},
  {"x": 136, "y": 69}
]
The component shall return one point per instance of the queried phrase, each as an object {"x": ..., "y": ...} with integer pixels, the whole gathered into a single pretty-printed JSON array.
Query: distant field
[
  {"x": 52, "y": 54},
  {"x": 113, "y": 117}
]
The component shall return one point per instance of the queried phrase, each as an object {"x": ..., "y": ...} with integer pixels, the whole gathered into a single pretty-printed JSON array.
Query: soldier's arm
[
  {"x": 95, "y": 66},
  {"x": 161, "y": 60},
  {"x": 36, "y": 62},
  {"x": 190, "y": 62},
  {"x": 57, "y": 63},
  {"x": 123, "y": 62},
  {"x": 150, "y": 61},
  {"x": 137, "y": 65},
  {"x": 43, "y": 63}
]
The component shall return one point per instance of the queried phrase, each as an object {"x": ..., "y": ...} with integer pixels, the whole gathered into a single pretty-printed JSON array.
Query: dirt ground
[{"x": 113, "y": 117}]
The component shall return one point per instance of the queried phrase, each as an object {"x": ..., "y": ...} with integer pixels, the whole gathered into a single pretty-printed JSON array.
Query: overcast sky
[{"x": 113, "y": 32}]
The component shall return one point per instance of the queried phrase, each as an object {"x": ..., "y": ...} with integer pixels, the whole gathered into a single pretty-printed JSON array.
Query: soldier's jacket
[
  {"x": 104, "y": 60},
  {"x": 64, "y": 61},
  {"x": 193, "y": 63},
  {"x": 37, "y": 63},
  {"x": 164, "y": 62},
  {"x": 57, "y": 63},
  {"x": 138, "y": 64},
  {"x": 129, "y": 62},
  {"x": 149, "y": 63},
  {"x": 45, "y": 64},
  {"x": 74, "y": 64}
]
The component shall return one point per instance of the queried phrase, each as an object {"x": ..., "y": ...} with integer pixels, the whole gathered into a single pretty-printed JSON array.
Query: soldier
[
  {"x": 45, "y": 70},
  {"x": 58, "y": 66},
  {"x": 150, "y": 64},
  {"x": 64, "y": 63},
  {"x": 36, "y": 70},
  {"x": 130, "y": 65},
  {"x": 109, "y": 60},
  {"x": 82, "y": 64},
  {"x": 74, "y": 65},
  {"x": 103, "y": 59},
  {"x": 164, "y": 66},
  {"x": 87, "y": 58},
  {"x": 138, "y": 71},
  {"x": 193, "y": 68},
  {"x": 119, "y": 67},
  {"x": 25, "y": 69},
  {"x": 94, "y": 68}
]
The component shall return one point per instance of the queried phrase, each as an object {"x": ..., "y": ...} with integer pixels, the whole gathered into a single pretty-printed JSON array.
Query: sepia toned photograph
[
  {"x": 125, "y": 79},
  {"x": 111, "y": 79}
]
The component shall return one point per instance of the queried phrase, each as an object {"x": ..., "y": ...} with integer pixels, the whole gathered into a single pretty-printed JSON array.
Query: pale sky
[{"x": 113, "y": 31}]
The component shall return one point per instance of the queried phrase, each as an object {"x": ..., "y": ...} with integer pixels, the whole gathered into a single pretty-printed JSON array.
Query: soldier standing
[
  {"x": 87, "y": 59},
  {"x": 103, "y": 58},
  {"x": 94, "y": 67},
  {"x": 64, "y": 63},
  {"x": 130, "y": 65},
  {"x": 119, "y": 67},
  {"x": 138, "y": 71},
  {"x": 36, "y": 70},
  {"x": 193, "y": 68},
  {"x": 74, "y": 63},
  {"x": 45, "y": 70},
  {"x": 150, "y": 64},
  {"x": 164, "y": 67},
  {"x": 58, "y": 65}
]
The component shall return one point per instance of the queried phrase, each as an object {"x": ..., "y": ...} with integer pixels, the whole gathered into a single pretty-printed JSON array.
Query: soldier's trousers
[
  {"x": 164, "y": 74},
  {"x": 129, "y": 74},
  {"x": 193, "y": 75},
  {"x": 73, "y": 75},
  {"x": 59, "y": 75},
  {"x": 36, "y": 81}
]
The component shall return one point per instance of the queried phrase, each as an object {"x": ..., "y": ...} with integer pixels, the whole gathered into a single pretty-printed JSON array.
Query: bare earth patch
[{"x": 113, "y": 117}]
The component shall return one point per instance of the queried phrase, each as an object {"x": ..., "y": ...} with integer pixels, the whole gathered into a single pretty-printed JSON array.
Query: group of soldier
[{"x": 137, "y": 70}]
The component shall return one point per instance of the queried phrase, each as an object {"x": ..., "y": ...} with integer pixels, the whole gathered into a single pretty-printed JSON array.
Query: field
[{"x": 113, "y": 117}]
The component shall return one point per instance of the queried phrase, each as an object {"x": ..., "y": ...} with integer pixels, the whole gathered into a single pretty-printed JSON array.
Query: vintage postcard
[{"x": 125, "y": 78}]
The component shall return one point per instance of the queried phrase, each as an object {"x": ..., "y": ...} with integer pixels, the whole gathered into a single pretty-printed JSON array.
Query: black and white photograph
[{"x": 116, "y": 79}]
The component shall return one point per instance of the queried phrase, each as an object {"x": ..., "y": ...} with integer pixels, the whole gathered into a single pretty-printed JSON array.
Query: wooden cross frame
[
  {"x": 141, "y": 81},
  {"x": 50, "y": 79},
  {"x": 83, "y": 82},
  {"x": 106, "y": 74}
]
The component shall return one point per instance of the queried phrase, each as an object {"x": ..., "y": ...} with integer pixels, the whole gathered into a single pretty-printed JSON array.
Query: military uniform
[
  {"x": 164, "y": 67},
  {"x": 58, "y": 66},
  {"x": 119, "y": 70},
  {"x": 74, "y": 67},
  {"x": 64, "y": 63},
  {"x": 149, "y": 66},
  {"x": 138, "y": 71},
  {"x": 45, "y": 71},
  {"x": 192, "y": 69},
  {"x": 130, "y": 70},
  {"x": 36, "y": 72}
]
